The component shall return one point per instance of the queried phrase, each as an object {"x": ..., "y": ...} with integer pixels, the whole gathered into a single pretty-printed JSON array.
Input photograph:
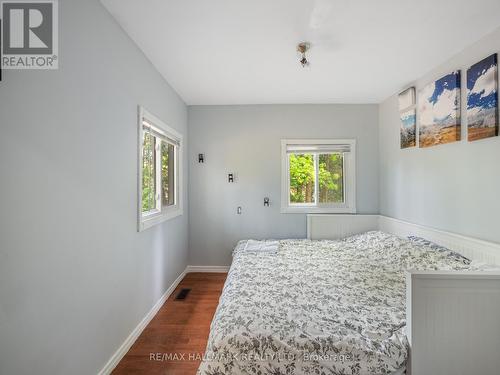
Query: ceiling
[{"x": 244, "y": 51}]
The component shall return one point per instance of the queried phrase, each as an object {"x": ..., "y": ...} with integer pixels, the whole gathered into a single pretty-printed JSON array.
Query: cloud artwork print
[
  {"x": 439, "y": 111},
  {"x": 408, "y": 128},
  {"x": 482, "y": 99}
]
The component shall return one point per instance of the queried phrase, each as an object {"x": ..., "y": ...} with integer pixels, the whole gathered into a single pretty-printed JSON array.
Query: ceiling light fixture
[{"x": 302, "y": 48}]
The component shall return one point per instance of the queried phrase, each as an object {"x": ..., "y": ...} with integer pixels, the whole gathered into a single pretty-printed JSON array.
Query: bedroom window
[
  {"x": 159, "y": 171},
  {"x": 318, "y": 176}
]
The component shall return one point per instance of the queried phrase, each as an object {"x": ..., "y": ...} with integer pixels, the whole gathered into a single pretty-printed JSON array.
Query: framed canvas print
[
  {"x": 482, "y": 99},
  {"x": 407, "y": 99},
  {"x": 439, "y": 111},
  {"x": 408, "y": 128}
]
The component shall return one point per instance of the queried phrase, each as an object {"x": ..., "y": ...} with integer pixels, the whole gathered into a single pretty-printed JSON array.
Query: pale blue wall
[
  {"x": 246, "y": 140},
  {"x": 453, "y": 187},
  {"x": 75, "y": 276}
]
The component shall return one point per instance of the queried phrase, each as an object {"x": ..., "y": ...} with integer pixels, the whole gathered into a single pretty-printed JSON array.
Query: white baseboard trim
[
  {"x": 127, "y": 344},
  {"x": 215, "y": 269},
  {"x": 472, "y": 248}
]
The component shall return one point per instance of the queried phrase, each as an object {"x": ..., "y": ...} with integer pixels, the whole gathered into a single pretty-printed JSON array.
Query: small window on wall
[
  {"x": 318, "y": 176},
  {"x": 160, "y": 171}
]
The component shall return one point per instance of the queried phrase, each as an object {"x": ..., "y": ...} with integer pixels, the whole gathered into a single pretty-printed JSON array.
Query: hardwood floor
[{"x": 177, "y": 335}]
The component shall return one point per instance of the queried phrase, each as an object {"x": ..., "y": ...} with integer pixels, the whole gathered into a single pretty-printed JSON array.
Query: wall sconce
[
  {"x": 230, "y": 177},
  {"x": 266, "y": 202},
  {"x": 201, "y": 158}
]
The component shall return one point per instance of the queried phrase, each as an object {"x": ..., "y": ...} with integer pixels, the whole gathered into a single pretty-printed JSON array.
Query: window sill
[
  {"x": 317, "y": 210},
  {"x": 148, "y": 222}
]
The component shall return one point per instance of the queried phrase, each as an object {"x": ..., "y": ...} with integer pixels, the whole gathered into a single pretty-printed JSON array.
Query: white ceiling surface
[{"x": 243, "y": 51}]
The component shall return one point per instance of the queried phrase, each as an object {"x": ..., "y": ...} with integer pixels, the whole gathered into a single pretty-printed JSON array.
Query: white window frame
[
  {"x": 349, "y": 175},
  {"x": 161, "y": 213}
]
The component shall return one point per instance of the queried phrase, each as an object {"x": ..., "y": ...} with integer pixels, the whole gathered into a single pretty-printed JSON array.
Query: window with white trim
[
  {"x": 318, "y": 175},
  {"x": 160, "y": 171}
]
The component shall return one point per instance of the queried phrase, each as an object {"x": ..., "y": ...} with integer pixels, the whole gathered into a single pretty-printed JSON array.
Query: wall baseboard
[
  {"x": 215, "y": 269},
  {"x": 472, "y": 248},
  {"x": 129, "y": 341}
]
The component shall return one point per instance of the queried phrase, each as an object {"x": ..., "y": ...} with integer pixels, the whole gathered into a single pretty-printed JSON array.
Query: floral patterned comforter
[{"x": 319, "y": 307}]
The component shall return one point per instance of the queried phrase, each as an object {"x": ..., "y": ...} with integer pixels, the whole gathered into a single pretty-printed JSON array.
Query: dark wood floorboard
[{"x": 180, "y": 327}]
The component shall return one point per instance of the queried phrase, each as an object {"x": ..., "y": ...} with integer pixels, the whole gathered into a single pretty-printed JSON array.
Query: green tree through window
[
  {"x": 167, "y": 174},
  {"x": 331, "y": 182},
  {"x": 148, "y": 173},
  {"x": 160, "y": 190},
  {"x": 303, "y": 178}
]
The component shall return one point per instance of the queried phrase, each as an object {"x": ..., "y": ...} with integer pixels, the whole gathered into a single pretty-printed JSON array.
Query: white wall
[
  {"x": 75, "y": 276},
  {"x": 246, "y": 140},
  {"x": 454, "y": 187}
]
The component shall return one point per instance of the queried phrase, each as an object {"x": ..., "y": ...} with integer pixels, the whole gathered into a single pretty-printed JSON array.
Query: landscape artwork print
[
  {"x": 439, "y": 111},
  {"x": 408, "y": 128},
  {"x": 482, "y": 99}
]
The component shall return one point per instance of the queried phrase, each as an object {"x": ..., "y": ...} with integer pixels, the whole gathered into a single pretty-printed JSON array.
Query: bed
[{"x": 320, "y": 307}]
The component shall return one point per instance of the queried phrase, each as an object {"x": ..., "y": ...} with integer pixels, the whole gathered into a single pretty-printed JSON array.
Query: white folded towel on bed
[{"x": 262, "y": 246}]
